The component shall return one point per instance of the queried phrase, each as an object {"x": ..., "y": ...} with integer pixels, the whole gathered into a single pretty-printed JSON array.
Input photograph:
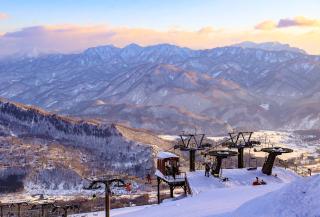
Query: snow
[
  {"x": 288, "y": 140},
  {"x": 212, "y": 197},
  {"x": 203, "y": 205},
  {"x": 178, "y": 178},
  {"x": 216, "y": 74},
  {"x": 308, "y": 122},
  {"x": 217, "y": 138},
  {"x": 265, "y": 106},
  {"x": 300, "y": 199},
  {"x": 237, "y": 177},
  {"x": 115, "y": 212},
  {"x": 163, "y": 155},
  {"x": 51, "y": 103},
  {"x": 169, "y": 137},
  {"x": 100, "y": 102},
  {"x": 159, "y": 174}
]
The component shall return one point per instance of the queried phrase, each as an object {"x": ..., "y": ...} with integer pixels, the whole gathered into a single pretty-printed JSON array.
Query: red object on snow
[
  {"x": 128, "y": 187},
  {"x": 256, "y": 183}
]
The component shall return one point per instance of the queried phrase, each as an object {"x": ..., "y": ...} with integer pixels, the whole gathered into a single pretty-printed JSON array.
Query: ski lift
[
  {"x": 240, "y": 141},
  {"x": 192, "y": 143},
  {"x": 250, "y": 159},
  {"x": 272, "y": 154},
  {"x": 219, "y": 156}
]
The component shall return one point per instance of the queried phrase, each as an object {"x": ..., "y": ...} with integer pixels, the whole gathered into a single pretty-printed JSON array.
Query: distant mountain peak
[
  {"x": 131, "y": 50},
  {"x": 132, "y": 46},
  {"x": 168, "y": 46},
  {"x": 102, "y": 52},
  {"x": 101, "y": 48},
  {"x": 270, "y": 46}
]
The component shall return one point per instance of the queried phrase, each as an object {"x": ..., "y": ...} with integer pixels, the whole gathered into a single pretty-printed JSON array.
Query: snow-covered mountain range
[
  {"x": 169, "y": 88},
  {"x": 271, "y": 46}
]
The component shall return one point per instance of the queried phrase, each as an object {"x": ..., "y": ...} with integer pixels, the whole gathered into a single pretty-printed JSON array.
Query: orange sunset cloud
[
  {"x": 71, "y": 38},
  {"x": 299, "y": 21},
  {"x": 266, "y": 25},
  {"x": 3, "y": 16}
]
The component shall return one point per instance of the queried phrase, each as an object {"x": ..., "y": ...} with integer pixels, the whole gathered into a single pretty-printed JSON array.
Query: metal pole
[
  {"x": 240, "y": 158},
  {"x": 192, "y": 159},
  {"x": 107, "y": 192},
  {"x": 171, "y": 191},
  {"x": 107, "y": 201},
  {"x": 216, "y": 171},
  {"x": 18, "y": 210},
  {"x": 42, "y": 211},
  {"x": 267, "y": 166},
  {"x": 158, "y": 179}
]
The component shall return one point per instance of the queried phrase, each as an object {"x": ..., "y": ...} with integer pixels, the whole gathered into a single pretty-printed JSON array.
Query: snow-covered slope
[
  {"x": 211, "y": 196},
  {"x": 299, "y": 199},
  {"x": 237, "y": 178}
]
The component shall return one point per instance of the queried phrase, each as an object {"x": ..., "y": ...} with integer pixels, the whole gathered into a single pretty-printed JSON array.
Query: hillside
[
  {"x": 37, "y": 146},
  {"x": 168, "y": 89}
]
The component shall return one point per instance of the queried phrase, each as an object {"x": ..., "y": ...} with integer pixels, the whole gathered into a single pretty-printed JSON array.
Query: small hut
[
  {"x": 168, "y": 171},
  {"x": 168, "y": 164}
]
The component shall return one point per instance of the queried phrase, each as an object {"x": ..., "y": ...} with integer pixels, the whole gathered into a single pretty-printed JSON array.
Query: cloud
[
  {"x": 288, "y": 22},
  {"x": 298, "y": 21},
  {"x": 266, "y": 25},
  {"x": 3, "y": 16},
  {"x": 206, "y": 30},
  {"x": 74, "y": 38},
  {"x": 57, "y": 39}
]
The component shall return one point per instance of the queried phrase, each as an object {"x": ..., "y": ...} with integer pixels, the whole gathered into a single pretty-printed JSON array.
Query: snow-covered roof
[{"x": 164, "y": 155}]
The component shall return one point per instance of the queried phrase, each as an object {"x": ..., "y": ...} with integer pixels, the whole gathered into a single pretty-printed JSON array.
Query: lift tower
[
  {"x": 107, "y": 183},
  {"x": 240, "y": 141},
  {"x": 273, "y": 153},
  {"x": 191, "y": 143}
]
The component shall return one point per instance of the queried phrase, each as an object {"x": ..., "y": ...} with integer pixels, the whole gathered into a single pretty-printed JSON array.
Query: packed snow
[
  {"x": 211, "y": 196},
  {"x": 237, "y": 178},
  {"x": 299, "y": 199}
]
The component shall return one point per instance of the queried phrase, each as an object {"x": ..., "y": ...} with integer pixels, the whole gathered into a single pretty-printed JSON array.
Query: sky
[{"x": 73, "y": 25}]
